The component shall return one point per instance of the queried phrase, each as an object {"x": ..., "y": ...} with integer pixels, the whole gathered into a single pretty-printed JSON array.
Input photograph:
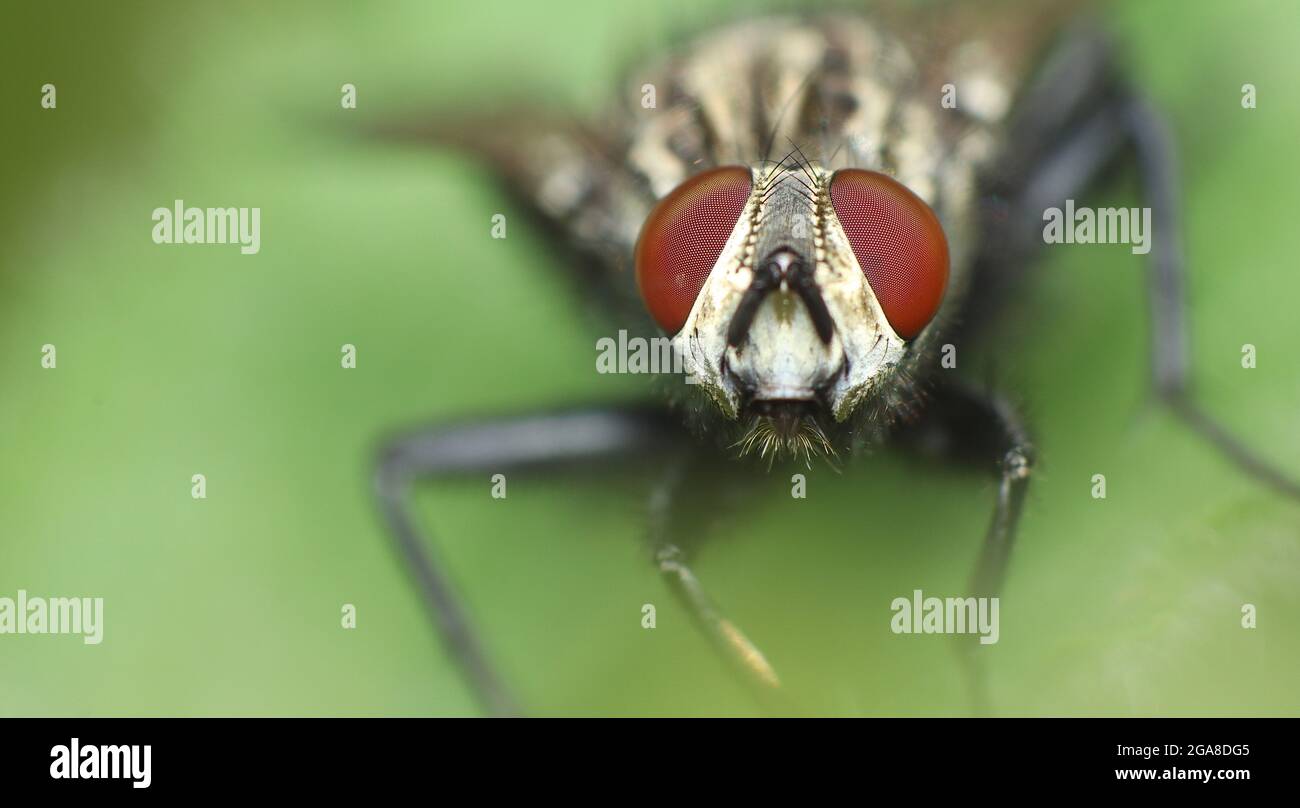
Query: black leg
[
  {"x": 1127, "y": 125},
  {"x": 963, "y": 424},
  {"x": 1153, "y": 147},
  {"x": 1015, "y": 463},
  {"x": 1120, "y": 123},
  {"x": 496, "y": 447}
]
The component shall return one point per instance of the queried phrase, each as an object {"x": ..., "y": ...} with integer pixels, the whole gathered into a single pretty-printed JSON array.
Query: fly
[{"x": 808, "y": 220}]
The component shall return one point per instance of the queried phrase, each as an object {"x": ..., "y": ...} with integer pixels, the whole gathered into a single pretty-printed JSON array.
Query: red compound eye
[
  {"x": 682, "y": 239},
  {"x": 898, "y": 242}
]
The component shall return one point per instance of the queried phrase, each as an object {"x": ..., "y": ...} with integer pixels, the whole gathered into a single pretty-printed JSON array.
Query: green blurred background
[{"x": 181, "y": 360}]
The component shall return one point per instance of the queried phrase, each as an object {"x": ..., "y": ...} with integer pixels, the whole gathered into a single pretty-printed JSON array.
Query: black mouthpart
[
  {"x": 784, "y": 413},
  {"x": 782, "y": 265}
]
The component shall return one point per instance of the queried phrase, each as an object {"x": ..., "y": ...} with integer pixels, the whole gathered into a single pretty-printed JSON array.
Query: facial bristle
[{"x": 803, "y": 440}]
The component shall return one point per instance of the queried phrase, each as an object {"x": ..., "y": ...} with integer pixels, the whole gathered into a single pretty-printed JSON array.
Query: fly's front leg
[
  {"x": 526, "y": 443},
  {"x": 669, "y": 530},
  {"x": 965, "y": 425},
  {"x": 1015, "y": 463}
]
